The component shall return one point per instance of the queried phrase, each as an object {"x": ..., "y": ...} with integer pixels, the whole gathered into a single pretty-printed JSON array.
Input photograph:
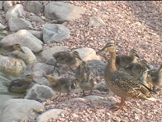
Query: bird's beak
[
  {"x": 34, "y": 81},
  {"x": 100, "y": 51},
  {"x": 137, "y": 55},
  {"x": 22, "y": 51},
  {"x": 79, "y": 58}
]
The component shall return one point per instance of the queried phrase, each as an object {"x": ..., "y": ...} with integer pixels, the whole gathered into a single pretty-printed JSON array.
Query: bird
[
  {"x": 82, "y": 70},
  {"x": 123, "y": 60},
  {"x": 21, "y": 85},
  {"x": 121, "y": 83},
  {"x": 86, "y": 83},
  {"x": 61, "y": 85},
  {"x": 135, "y": 69},
  {"x": 84, "y": 76},
  {"x": 66, "y": 58},
  {"x": 146, "y": 79},
  {"x": 5, "y": 49},
  {"x": 156, "y": 75}
]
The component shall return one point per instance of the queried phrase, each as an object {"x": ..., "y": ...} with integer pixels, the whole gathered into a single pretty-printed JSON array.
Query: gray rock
[
  {"x": 51, "y": 61},
  {"x": 42, "y": 81},
  {"x": 102, "y": 87},
  {"x": 28, "y": 57},
  {"x": 52, "y": 113},
  {"x": 62, "y": 11},
  {"x": 34, "y": 6},
  {"x": 15, "y": 11},
  {"x": 38, "y": 69},
  {"x": 2, "y": 27},
  {"x": 47, "y": 54},
  {"x": 96, "y": 21},
  {"x": 97, "y": 67},
  {"x": 7, "y": 5},
  {"x": 20, "y": 109},
  {"x": 101, "y": 100},
  {"x": 24, "y": 38},
  {"x": 12, "y": 65},
  {"x": 40, "y": 93},
  {"x": 1, "y": 2},
  {"x": 55, "y": 33},
  {"x": 36, "y": 19},
  {"x": 89, "y": 55},
  {"x": 16, "y": 24},
  {"x": 38, "y": 34}
]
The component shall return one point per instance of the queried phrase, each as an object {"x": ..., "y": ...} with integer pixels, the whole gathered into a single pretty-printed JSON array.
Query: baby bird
[
  {"x": 10, "y": 48},
  {"x": 82, "y": 70},
  {"x": 84, "y": 76},
  {"x": 66, "y": 58},
  {"x": 135, "y": 69},
  {"x": 145, "y": 78},
  {"x": 21, "y": 85},
  {"x": 62, "y": 85},
  {"x": 156, "y": 76},
  {"x": 124, "y": 60},
  {"x": 86, "y": 83}
]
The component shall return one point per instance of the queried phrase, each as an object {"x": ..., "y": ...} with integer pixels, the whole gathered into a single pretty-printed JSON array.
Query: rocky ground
[{"x": 131, "y": 25}]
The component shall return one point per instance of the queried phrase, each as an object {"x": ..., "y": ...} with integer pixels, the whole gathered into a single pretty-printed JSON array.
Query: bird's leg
[
  {"x": 67, "y": 95},
  {"x": 59, "y": 97},
  {"x": 90, "y": 92},
  {"x": 83, "y": 94},
  {"x": 115, "y": 108},
  {"x": 71, "y": 69},
  {"x": 56, "y": 69}
]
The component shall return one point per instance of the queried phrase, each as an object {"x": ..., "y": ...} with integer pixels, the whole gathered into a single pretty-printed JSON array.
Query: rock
[
  {"x": 40, "y": 93},
  {"x": 2, "y": 27},
  {"x": 36, "y": 19},
  {"x": 39, "y": 69},
  {"x": 16, "y": 24},
  {"x": 20, "y": 109},
  {"x": 89, "y": 55},
  {"x": 101, "y": 100},
  {"x": 97, "y": 67},
  {"x": 34, "y": 6},
  {"x": 55, "y": 33},
  {"x": 62, "y": 11},
  {"x": 38, "y": 34},
  {"x": 7, "y": 5},
  {"x": 41, "y": 81},
  {"x": 24, "y": 38},
  {"x": 12, "y": 65},
  {"x": 51, "y": 61},
  {"x": 96, "y": 21},
  {"x": 47, "y": 54},
  {"x": 102, "y": 87},
  {"x": 15, "y": 11},
  {"x": 1, "y": 2},
  {"x": 28, "y": 57},
  {"x": 52, "y": 113}
]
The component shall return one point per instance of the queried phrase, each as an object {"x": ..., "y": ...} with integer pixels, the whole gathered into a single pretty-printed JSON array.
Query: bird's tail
[{"x": 154, "y": 99}]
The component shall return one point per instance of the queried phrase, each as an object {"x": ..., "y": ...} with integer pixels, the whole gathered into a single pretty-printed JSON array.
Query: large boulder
[
  {"x": 16, "y": 24},
  {"x": 97, "y": 67},
  {"x": 40, "y": 93},
  {"x": 47, "y": 54},
  {"x": 28, "y": 57},
  {"x": 34, "y": 6},
  {"x": 89, "y": 55},
  {"x": 62, "y": 12},
  {"x": 20, "y": 110},
  {"x": 24, "y": 38},
  {"x": 55, "y": 33},
  {"x": 12, "y": 65},
  {"x": 15, "y": 11},
  {"x": 36, "y": 19},
  {"x": 52, "y": 113}
]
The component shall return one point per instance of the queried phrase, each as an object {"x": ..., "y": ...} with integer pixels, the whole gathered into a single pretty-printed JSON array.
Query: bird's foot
[{"x": 116, "y": 108}]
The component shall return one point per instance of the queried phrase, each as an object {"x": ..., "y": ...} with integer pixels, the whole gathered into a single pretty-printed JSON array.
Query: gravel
[{"x": 131, "y": 24}]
